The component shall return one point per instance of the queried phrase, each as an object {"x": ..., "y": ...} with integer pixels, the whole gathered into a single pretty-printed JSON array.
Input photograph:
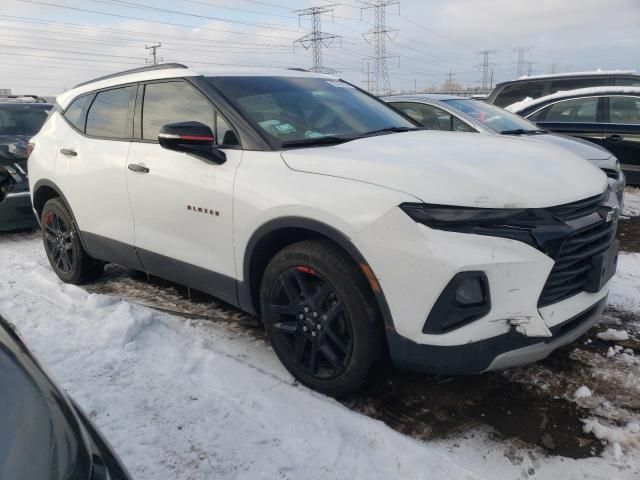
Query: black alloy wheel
[
  {"x": 58, "y": 242},
  {"x": 312, "y": 324}
]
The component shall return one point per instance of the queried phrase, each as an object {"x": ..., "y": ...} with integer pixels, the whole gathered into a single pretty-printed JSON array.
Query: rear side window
[
  {"x": 173, "y": 102},
  {"x": 624, "y": 110},
  {"x": 627, "y": 81},
  {"x": 75, "y": 113},
  {"x": 22, "y": 121},
  {"x": 565, "y": 84},
  {"x": 519, "y": 91},
  {"x": 576, "y": 110},
  {"x": 108, "y": 115}
]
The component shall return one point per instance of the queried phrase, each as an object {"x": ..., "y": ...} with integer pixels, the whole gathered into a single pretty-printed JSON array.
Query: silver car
[{"x": 454, "y": 113}]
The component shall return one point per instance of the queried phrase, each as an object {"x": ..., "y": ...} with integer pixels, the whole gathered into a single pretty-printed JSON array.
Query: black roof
[{"x": 568, "y": 76}]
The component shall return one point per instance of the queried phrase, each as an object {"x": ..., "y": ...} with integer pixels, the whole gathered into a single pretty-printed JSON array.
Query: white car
[{"x": 353, "y": 234}]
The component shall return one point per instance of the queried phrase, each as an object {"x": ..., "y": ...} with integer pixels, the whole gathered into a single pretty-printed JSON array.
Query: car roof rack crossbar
[{"x": 150, "y": 68}]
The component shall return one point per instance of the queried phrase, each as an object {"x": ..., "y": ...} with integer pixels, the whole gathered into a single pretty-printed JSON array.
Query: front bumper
[
  {"x": 503, "y": 351},
  {"x": 414, "y": 263},
  {"x": 16, "y": 212}
]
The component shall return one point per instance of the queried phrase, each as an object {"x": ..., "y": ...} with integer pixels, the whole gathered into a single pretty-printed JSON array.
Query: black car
[
  {"x": 608, "y": 116},
  {"x": 19, "y": 121},
  {"x": 43, "y": 433},
  {"x": 508, "y": 93}
]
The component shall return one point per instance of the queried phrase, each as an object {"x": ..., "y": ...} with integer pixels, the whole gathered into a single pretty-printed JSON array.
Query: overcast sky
[{"x": 47, "y": 46}]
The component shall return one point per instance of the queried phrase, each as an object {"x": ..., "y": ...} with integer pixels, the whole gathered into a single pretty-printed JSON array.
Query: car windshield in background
[
  {"x": 495, "y": 118},
  {"x": 22, "y": 121},
  {"x": 300, "y": 111}
]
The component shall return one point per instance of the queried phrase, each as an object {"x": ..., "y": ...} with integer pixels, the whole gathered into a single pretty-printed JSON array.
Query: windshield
[
  {"x": 302, "y": 111},
  {"x": 493, "y": 117},
  {"x": 22, "y": 121}
]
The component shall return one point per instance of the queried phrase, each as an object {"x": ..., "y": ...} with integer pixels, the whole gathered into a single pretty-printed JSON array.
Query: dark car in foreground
[
  {"x": 454, "y": 113},
  {"x": 43, "y": 433},
  {"x": 607, "y": 116},
  {"x": 19, "y": 121},
  {"x": 537, "y": 86}
]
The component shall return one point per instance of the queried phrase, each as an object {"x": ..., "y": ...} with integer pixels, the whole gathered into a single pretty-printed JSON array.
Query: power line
[
  {"x": 317, "y": 38},
  {"x": 378, "y": 36}
]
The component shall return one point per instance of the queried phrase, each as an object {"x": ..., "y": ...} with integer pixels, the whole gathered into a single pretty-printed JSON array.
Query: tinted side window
[
  {"x": 578, "y": 110},
  {"x": 624, "y": 110},
  {"x": 574, "y": 83},
  {"x": 432, "y": 117},
  {"x": 173, "y": 102},
  {"x": 75, "y": 113},
  {"x": 109, "y": 112},
  {"x": 519, "y": 91},
  {"x": 627, "y": 81}
]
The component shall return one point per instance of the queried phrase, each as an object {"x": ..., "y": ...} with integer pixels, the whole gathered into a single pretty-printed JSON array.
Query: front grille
[
  {"x": 581, "y": 208},
  {"x": 611, "y": 173},
  {"x": 573, "y": 261}
]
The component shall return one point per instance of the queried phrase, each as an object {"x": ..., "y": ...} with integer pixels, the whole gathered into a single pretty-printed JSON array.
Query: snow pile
[
  {"x": 625, "y": 285},
  {"x": 528, "y": 102},
  {"x": 583, "y": 392},
  {"x": 612, "y": 335},
  {"x": 618, "y": 438},
  {"x": 631, "y": 202}
]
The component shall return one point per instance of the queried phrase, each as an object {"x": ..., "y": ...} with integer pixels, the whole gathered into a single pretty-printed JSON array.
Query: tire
[
  {"x": 321, "y": 318},
  {"x": 63, "y": 247}
]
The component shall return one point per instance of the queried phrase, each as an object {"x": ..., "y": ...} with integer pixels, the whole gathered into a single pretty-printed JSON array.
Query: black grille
[
  {"x": 573, "y": 261},
  {"x": 611, "y": 173},
  {"x": 582, "y": 208}
]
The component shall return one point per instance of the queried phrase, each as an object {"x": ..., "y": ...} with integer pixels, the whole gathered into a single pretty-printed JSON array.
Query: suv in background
[
  {"x": 20, "y": 119},
  {"x": 349, "y": 230},
  {"x": 507, "y": 93}
]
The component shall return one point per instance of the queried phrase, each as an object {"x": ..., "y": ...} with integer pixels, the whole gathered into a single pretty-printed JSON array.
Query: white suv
[{"x": 352, "y": 234}]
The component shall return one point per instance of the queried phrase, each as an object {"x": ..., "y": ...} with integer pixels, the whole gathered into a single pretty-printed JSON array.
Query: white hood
[{"x": 464, "y": 169}]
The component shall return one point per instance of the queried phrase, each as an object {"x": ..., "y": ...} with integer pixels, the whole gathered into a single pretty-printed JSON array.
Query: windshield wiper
[
  {"x": 392, "y": 130},
  {"x": 310, "y": 142},
  {"x": 521, "y": 131}
]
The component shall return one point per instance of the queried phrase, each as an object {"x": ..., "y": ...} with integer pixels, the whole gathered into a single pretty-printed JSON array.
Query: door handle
[
  {"x": 134, "y": 167},
  {"x": 615, "y": 138},
  {"x": 68, "y": 152}
]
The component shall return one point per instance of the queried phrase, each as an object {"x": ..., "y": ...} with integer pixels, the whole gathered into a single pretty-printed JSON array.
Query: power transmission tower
[
  {"x": 366, "y": 73},
  {"x": 449, "y": 85},
  {"x": 529, "y": 67},
  {"x": 378, "y": 36},
  {"x": 154, "y": 53},
  {"x": 317, "y": 38},
  {"x": 520, "y": 62},
  {"x": 487, "y": 68}
]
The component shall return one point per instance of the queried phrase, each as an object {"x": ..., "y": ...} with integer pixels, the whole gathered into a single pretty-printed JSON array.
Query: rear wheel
[
  {"x": 62, "y": 245},
  {"x": 321, "y": 317}
]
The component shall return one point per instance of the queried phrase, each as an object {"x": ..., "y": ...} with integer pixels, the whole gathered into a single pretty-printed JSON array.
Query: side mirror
[{"x": 191, "y": 137}]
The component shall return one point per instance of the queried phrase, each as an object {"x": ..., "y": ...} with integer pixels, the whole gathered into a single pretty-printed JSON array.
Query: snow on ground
[
  {"x": 625, "y": 285},
  {"x": 631, "y": 202},
  {"x": 185, "y": 399}
]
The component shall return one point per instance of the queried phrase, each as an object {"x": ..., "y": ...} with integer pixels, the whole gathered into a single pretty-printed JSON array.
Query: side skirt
[{"x": 192, "y": 276}]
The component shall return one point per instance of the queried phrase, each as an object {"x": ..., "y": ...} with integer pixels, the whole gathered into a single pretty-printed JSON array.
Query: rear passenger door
[
  {"x": 183, "y": 205},
  {"x": 90, "y": 171},
  {"x": 578, "y": 117},
  {"x": 622, "y": 133}
]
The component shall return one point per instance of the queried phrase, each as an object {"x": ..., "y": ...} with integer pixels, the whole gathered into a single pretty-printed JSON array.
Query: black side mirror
[{"x": 191, "y": 137}]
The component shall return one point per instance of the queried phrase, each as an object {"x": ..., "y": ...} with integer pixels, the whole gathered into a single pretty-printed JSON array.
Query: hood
[
  {"x": 582, "y": 148},
  {"x": 464, "y": 169}
]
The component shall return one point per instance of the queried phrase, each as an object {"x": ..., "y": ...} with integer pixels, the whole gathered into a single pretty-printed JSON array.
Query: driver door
[{"x": 182, "y": 204}]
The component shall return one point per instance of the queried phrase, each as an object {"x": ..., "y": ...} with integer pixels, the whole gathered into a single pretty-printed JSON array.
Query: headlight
[{"x": 441, "y": 216}]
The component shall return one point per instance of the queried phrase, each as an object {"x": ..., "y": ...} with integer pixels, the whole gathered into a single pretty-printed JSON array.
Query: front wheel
[
  {"x": 321, "y": 317},
  {"x": 62, "y": 245}
]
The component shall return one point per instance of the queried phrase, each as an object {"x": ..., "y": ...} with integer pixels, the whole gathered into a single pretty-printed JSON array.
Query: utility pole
[
  {"x": 154, "y": 52},
  {"x": 317, "y": 38},
  {"x": 377, "y": 37},
  {"x": 487, "y": 69},
  {"x": 449, "y": 85},
  {"x": 520, "y": 63}
]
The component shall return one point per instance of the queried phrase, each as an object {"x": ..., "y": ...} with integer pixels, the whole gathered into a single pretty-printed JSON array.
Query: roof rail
[
  {"x": 298, "y": 69},
  {"x": 150, "y": 68}
]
